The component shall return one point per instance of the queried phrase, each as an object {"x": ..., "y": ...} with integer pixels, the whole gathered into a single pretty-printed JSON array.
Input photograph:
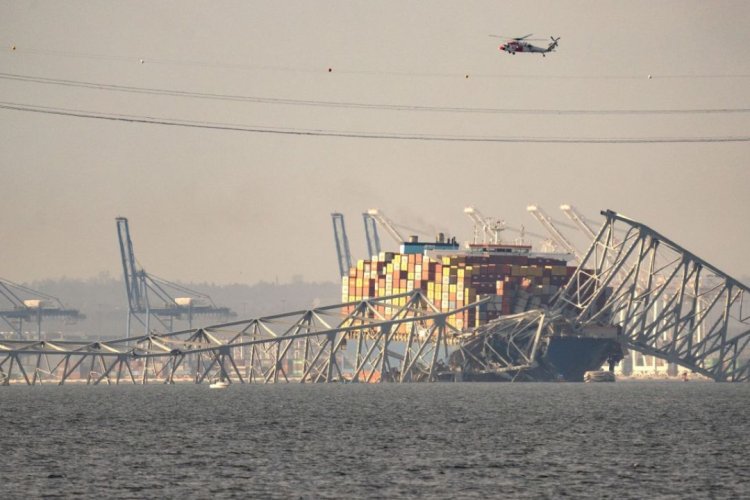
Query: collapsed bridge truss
[
  {"x": 398, "y": 338},
  {"x": 668, "y": 303},
  {"x": 663, "y": 300}
]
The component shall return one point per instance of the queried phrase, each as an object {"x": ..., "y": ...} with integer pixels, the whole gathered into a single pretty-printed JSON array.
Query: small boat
[
  {"x": 599, "y": 376},
  {"x": 219, "y": 384}
]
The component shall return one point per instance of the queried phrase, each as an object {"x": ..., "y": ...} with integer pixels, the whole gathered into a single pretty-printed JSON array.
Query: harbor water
[{"x": 532, "y": 440}]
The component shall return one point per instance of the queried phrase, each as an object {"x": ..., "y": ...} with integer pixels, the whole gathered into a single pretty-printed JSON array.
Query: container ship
[
  {"x": 515, "y": 278},
  {"x": 512, "y": 276}
]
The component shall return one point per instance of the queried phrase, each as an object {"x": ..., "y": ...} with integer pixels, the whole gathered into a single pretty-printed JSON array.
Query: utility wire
[
  {"x": 356, "y": 105},
  {"x": 213, "y": 64},
  {"x": 356, "y": 135}
]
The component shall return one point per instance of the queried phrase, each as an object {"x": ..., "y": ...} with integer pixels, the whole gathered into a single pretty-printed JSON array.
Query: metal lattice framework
[
  {"x": 343, "y": 253},
  {"x": 398, "y": 338},
  {"x": 506, "y": 347},
  {"x": 669, "y": 303},
  {"x": 19, "y": 303},
  {"x": 153, "y": 298}
]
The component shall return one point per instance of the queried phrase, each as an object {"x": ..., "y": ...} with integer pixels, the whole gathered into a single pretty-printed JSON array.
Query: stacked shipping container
[{"x": 452, "y": 280}]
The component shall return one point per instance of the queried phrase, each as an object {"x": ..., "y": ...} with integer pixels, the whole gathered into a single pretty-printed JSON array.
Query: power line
[
  {"x": 406, "y": 74},
  {"x": 356, "y": 135},
  {"x": 356, "y": 105}
]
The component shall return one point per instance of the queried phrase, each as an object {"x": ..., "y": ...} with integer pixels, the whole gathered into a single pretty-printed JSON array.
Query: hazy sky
[{"x": 227, "y": 206}]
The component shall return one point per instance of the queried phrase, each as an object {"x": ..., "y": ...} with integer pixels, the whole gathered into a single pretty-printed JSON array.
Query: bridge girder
[
  {"x": 669, "y": 303},
  {"x": 399, "y": 338}
]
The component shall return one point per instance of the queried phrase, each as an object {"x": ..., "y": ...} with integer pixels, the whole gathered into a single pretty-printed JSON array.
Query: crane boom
[
  {"x": 152, "y": 297},
  {"x": 557, "y": 236},
  {"x": 579, "y": 221},
  {"x": 388, "y": 224},
  {"x": 342, "y": 244},
  {"x": 490, "y": 228}
]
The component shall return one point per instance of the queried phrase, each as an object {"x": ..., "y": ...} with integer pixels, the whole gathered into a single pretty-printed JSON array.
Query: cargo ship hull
[{"x": 564, "y": 359}]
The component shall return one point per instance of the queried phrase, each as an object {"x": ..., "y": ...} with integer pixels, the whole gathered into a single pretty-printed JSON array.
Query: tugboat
[
  {"x": 599, "y": 376},
  {"x": 218, "y": 384}
]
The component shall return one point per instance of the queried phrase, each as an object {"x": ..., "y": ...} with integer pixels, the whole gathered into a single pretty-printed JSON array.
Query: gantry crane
[
  {"x": 152, "y": 297},
  {"x": 387, "y": 224},
  {"x": 573, "y": 215},
  {"x": 371, "y": 234},
  {"x": 342, "y": 244},
  {"x": 489, "y": 228},
  {"x": 557, "y": 236},
  {"x": 19, "y": 303}
]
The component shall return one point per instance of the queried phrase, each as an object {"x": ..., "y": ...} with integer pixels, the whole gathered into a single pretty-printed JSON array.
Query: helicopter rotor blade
[{"x": 518, "y": 39}]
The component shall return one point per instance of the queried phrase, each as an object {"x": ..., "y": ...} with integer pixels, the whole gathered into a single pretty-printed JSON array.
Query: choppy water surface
[{"x": 631, "y": 440}]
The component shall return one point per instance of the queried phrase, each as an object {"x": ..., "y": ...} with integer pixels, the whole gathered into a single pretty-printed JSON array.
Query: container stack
[{"x": 454, "y": 281}]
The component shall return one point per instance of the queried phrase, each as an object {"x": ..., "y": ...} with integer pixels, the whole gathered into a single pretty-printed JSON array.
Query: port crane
[
  {"x": 371, "y": 234},
  {"x": 387, "y": 224},
  {"x": 19, "y": 303},
  {"x": 151, "y": 297},
  {"x": 546, "y": 222},
  {"x": 578, "y": 220},
  {"x": 342, "y": 243},
  {"x": 489, "y": 228}
]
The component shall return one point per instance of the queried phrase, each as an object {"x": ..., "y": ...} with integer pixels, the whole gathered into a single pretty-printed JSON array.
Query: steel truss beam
[
  {"x": 669, "y": 303},
  {"x": 507, "y": 347},
  {"x": 400, "y": 338}
]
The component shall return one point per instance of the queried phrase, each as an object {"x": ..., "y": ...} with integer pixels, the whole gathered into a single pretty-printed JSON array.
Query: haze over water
[{"x": 624, "y": 440}]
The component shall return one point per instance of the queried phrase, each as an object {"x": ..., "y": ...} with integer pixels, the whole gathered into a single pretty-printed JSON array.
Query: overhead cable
[
  {"x": 406, "y": 74},
  {"x": 356, "y": 135},
  {"x": 357, "y": 105}
]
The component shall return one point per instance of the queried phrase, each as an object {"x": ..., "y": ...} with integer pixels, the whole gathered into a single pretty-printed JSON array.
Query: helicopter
[{"x": 521, "y": 44}]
